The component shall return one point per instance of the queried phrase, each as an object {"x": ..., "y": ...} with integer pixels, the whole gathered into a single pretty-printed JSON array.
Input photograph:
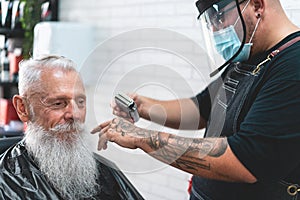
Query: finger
[
  {"x": 101, "y": 126},
  {"x": 105, "y": 145},
  {"x": 102, "y": 142},
  {"x": 95, "y": 130},
  {"x": 120, "y": 114},
  {"x": 103, "y": 139},
  {"x": 114, "y": 106},
  {"x": 132, "y": 95},
  {"x": 127, "y": 118},
  {"x": 113, "y": 103},
  {"x": 130, "y": 120},
  {"x": 104, "y": 130}
]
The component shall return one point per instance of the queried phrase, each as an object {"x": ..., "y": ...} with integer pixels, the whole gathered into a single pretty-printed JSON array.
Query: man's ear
[
  {"x": 21, "y": 108},
  {"x": 259, "y": 6}
]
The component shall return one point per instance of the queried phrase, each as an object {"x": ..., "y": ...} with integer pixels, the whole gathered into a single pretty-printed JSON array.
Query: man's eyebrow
[
  {"x": 64, "y": 97},
  {"x": 56, "y": 97},
  {"x": 83, "y": 96}
]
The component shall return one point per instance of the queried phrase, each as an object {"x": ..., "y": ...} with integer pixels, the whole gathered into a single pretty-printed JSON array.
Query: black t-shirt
[{"x": 268, "y": 139}]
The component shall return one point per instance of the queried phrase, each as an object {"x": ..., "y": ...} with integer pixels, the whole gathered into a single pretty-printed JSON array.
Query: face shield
[{"x": 224, "y": 31}]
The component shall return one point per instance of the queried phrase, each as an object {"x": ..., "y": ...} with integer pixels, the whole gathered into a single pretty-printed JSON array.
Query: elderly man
[{"x": 53, "y": 161}]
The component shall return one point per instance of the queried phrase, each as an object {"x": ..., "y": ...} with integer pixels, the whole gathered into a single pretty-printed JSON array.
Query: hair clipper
[{"x": 127, "y": 105}]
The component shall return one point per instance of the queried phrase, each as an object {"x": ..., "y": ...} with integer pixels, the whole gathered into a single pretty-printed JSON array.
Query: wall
[{"x": 173, "y": 68}]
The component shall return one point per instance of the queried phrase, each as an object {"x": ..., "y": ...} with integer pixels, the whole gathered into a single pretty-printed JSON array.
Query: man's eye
[
  {"x": 58, "y": 104},
  {"x": 81, "y": 102}
]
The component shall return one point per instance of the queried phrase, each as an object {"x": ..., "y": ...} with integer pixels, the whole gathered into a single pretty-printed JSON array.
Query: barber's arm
[
  {"x": 179, "y": 114},
  {"x": 206, "y": 157}
]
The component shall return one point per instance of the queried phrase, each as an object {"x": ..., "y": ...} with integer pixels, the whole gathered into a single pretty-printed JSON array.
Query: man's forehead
[
  {"x": 52, "y": 76},
  {"x": 58, "y": 72},
  {"x": 60, "y": 80}
]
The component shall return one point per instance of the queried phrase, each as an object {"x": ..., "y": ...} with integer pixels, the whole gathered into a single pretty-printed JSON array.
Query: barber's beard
[{"x": 64, "y": 158}]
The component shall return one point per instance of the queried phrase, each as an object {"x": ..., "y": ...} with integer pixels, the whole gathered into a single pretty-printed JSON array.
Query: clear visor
[{"x": 223, "y": 32}]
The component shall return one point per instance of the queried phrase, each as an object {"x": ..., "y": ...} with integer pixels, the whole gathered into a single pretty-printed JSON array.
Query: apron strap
[{"x": 275, "y": 52}]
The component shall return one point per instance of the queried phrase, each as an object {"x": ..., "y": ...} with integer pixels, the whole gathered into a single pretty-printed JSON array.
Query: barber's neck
[{"x": 276, "y": 27}]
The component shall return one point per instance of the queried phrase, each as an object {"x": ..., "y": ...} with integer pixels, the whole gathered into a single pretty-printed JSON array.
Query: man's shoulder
[
  {"x": 285, "y": 65},
  {"x": 10, "y": 153},
  {"x": 104, "y": 161},
  {"x": 14, "y": 159}
]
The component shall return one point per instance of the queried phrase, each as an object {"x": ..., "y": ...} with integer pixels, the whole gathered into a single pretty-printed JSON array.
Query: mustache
[{"x": 68, "y": 127}]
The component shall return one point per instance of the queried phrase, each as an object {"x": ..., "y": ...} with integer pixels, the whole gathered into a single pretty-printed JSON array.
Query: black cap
[{"x": 203, "y": 5}]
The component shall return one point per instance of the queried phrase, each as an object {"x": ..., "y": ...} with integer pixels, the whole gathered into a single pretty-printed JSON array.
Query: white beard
[{"x": 63, "y": 157}]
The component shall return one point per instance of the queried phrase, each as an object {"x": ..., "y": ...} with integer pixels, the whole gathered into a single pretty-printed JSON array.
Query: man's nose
[{"x": 72, "y": 111}]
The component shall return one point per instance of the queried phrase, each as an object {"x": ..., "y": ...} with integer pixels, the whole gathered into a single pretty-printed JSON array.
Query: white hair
[{"x": 30, "y": 70}]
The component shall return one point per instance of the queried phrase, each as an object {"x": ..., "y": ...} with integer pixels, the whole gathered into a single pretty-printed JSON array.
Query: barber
[{"x": 251, "y": 112}]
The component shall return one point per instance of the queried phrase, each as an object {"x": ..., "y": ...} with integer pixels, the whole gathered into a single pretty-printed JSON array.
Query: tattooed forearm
[
  {"x": 187, "y": 153},
  {"x": 128, "y": 128}
]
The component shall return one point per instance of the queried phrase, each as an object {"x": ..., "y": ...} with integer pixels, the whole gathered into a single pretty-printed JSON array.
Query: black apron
[{"x": 228, "y": 94}]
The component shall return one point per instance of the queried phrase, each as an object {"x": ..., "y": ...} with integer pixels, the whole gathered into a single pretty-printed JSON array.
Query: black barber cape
[{"x": 20, "y": 178}]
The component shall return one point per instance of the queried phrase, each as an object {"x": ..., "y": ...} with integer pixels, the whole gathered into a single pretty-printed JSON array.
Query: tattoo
[
  {"x": 219, "y": 148},
  {"x": 156, "y": 141},
  {"x": 187, "y": 153},
  {"x": 124, "y": 125},
  {"x": 127, "y": 127}
]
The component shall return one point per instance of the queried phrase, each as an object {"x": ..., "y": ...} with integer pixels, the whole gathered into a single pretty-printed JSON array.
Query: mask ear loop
[{"x": 255, "y": 28}]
